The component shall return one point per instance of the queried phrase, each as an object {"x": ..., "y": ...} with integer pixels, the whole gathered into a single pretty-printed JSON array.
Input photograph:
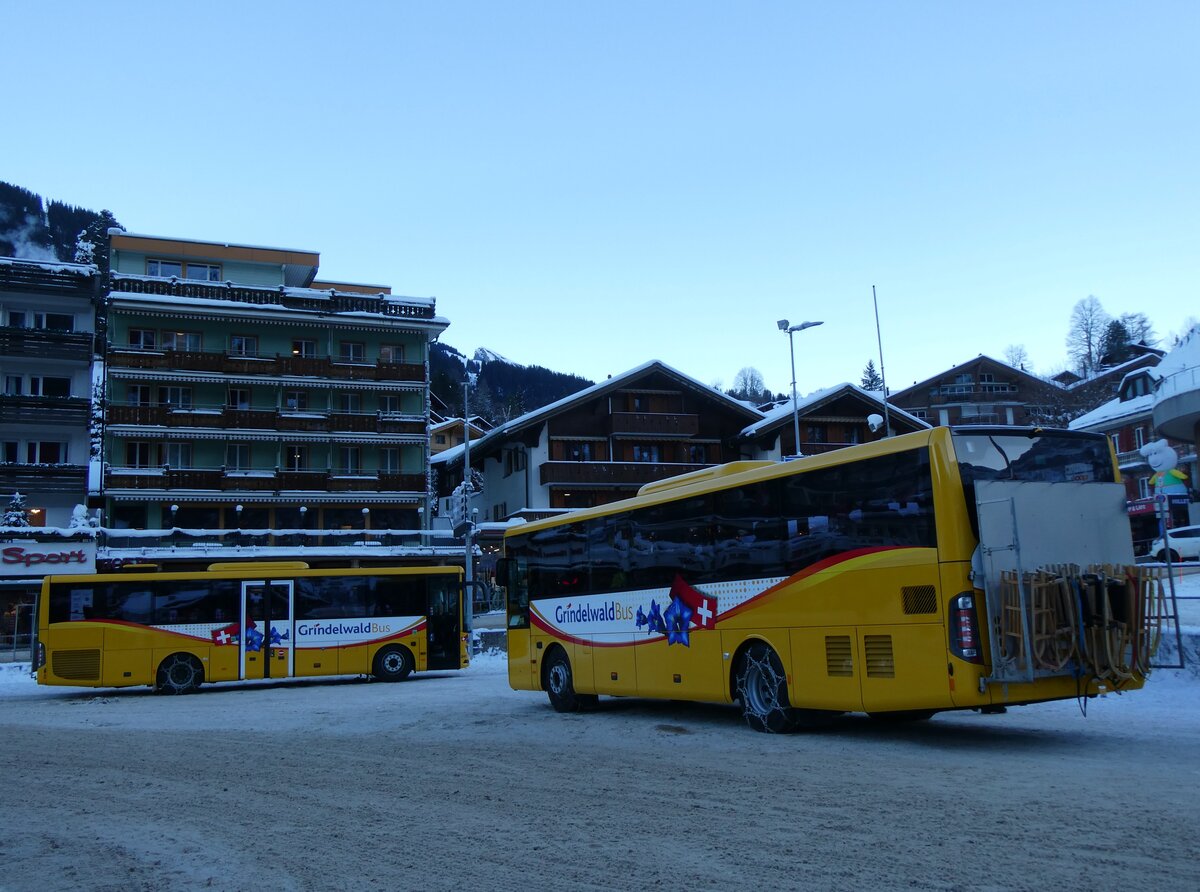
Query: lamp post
[
  {"x": 238, "y": 510},
  {"x": 366, "y": 513},
  {"x": 784, "y": 325}
]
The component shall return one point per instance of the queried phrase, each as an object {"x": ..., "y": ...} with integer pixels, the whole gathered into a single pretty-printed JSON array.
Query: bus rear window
[{"x": 1045, "y": 457}]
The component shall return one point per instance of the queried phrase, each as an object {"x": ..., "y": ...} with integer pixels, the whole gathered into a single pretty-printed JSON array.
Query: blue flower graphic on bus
[{"x": 688, "y": 608}]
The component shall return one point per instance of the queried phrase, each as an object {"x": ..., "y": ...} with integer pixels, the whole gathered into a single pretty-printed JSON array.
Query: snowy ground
[{"x": 451, "y": 780}]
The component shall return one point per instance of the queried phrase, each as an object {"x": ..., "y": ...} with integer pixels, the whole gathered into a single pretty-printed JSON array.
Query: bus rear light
[
  {"x": 964, "y": 629},
  {"x": 39, "y": 656}
]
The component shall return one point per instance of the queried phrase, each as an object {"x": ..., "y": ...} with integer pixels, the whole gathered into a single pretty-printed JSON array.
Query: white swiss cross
[
  {"x": 222, "y": 637},
  {"x": 704, "y": 611}
]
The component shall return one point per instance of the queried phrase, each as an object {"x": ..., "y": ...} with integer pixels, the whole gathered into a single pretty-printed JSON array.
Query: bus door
[
  {"x": 267, "y": 630},
  {"x": 443, "y": 623}
]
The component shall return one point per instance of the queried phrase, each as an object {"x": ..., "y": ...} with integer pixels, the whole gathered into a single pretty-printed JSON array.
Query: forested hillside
[
  {"x": 503, "y": 390},
  {"x": 33, "y": 229}
]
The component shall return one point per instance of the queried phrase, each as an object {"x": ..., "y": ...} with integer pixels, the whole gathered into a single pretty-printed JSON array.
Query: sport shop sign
[{"x": 44, "y": 558}]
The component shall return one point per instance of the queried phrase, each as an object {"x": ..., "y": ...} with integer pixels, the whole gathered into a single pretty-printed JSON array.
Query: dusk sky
[{"x": 587, "y": 186}]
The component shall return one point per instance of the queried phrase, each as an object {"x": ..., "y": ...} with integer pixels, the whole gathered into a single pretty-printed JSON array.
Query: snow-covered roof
[
  {"x": 52, "y": 266},
  {"x": 613, "y": 383},
  {"x": 785, "y": 411},
  {"x": 1114, "y": 410}
]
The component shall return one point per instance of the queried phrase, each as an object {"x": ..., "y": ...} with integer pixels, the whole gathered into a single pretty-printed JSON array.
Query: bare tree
[
  {"x": 1086, "y": 333},
  {"x": 748, "y": 385},
  {"x": 1139, "y": 328},
  {"x": 1017, "y": 356}
]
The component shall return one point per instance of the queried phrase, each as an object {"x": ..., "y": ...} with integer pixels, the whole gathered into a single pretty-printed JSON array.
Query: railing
[
  {"x": 46, "y": 343},
  {"x": 1183, "y": 381},
  {"x": 305, "y": 299},
  {"x": 262, "y": 419},
  {"x": 44, "y": 410},
  {"x": 273, "y": 365},
  {"x": 654, "y": 424},
  {"x": 20, "y": 477},
  {"x": 56, "y": 277},
  {"x": 624, "y": 473},
  {"x": 225, "y": 480}
]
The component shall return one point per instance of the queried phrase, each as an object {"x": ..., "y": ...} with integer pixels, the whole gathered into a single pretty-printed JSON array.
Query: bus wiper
[{"x": 1003, "y": 455}]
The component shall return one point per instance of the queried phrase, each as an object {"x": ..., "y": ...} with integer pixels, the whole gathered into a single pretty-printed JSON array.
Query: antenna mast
[{"x": 887, "y": 421}]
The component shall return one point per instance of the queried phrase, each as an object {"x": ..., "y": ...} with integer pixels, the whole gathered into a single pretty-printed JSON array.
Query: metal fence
[{"x": 16, "y": 634}]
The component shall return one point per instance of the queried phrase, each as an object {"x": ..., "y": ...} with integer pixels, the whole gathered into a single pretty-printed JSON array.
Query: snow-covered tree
[
  {"x": 871, "y": 379},
  {"x": 17, "y": 514},
  {"x": 81, "y": 520}
]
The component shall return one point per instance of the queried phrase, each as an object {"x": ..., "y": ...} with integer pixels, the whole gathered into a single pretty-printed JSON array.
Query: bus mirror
[{"x": 502, "y": 571}]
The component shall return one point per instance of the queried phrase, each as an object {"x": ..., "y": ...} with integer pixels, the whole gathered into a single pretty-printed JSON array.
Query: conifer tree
[
  {"x": 16, "y": 515},
  {"x": 871, "y": 379}
]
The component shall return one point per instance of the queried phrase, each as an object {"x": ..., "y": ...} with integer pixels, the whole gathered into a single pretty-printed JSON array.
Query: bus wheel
[
  {"x": 392, "y": 664},
  {"x": 179, "y": 674},
  {"x": 762, "y": 689},
  {"x": 560, "y": 685}
]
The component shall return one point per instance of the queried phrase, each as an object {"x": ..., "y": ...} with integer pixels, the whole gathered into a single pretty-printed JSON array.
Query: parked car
[{"x": 1183, "y": 541}]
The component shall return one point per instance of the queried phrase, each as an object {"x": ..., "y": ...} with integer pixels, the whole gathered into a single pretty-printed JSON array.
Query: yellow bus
[
  {"x": 238, "y": 621},
  {"x": 965, "y": 568}
]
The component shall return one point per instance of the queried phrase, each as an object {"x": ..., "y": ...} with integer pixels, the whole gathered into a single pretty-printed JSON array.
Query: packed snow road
[{"x": 452, "y": 781}]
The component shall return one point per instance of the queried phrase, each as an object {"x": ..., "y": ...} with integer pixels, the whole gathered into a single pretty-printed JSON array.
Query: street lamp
[
  {"x": 366, "y": 513},
  {"x": 790, "y": 329}
]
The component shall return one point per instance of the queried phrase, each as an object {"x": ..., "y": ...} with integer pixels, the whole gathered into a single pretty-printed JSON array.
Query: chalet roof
[
  {"x": 1104, "y": 418},
  {"x": 981, "y": 358},
  {"x": 616, "y": 383},
  {"x": 781, "y": 415},
  {"x": 1141, "y": 361}
]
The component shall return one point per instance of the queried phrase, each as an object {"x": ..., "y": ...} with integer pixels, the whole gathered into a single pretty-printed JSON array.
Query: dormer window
[{"x": 201, "y": 272}]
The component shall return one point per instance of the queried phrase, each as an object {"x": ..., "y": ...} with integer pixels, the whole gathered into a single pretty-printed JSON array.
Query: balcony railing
[
  {"x": 614, "y": 473},
  {"x": 27, "y": 478},
  {"x": 222, "y": 480},
  {"x": 658, "y": 424},
  {"x": 44, "y": 410},
  {"x": 304, "y": 299},
  {"x": 46, "y": 344},
  {"x": 264, "y": 419},
  {"x": 56, "y": 277},
  {"x": 274, "y": 365}
]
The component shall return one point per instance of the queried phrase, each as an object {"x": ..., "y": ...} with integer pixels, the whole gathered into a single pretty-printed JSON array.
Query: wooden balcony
[
  {"x": 258, "y": 419},
  {"x": 273, "y": 366},
  {"x": 303, "y": 299},
  {"x": 219, "y": 481},
  {"x": 654, "y": 424},
  {"x": 595, "y": 473},
  {"x": 17, "y": 477},
  {"x": 44, "y": 410},
  {"x": 54, "y": 278},
  {"x": 69, "y": 346}
]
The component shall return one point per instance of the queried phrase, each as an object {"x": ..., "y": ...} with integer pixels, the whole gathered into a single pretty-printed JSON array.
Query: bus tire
[
  {"x": 560, "y": 684},
  {"x": 179, "y": 674},
  {"x": 762, "y": 691},
  {"x": 393, "y": 663}
]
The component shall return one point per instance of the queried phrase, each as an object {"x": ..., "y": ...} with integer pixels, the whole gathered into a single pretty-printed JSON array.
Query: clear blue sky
[{"x": 589, "y": 185}]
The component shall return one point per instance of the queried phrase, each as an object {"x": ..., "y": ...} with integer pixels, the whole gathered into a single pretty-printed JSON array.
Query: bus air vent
[
  {"x": 838, "y": 659},
  {"x": 919, "y": 599},
  {"x": 879, "y": 656},
  {"x": 77, "y": 665}
]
